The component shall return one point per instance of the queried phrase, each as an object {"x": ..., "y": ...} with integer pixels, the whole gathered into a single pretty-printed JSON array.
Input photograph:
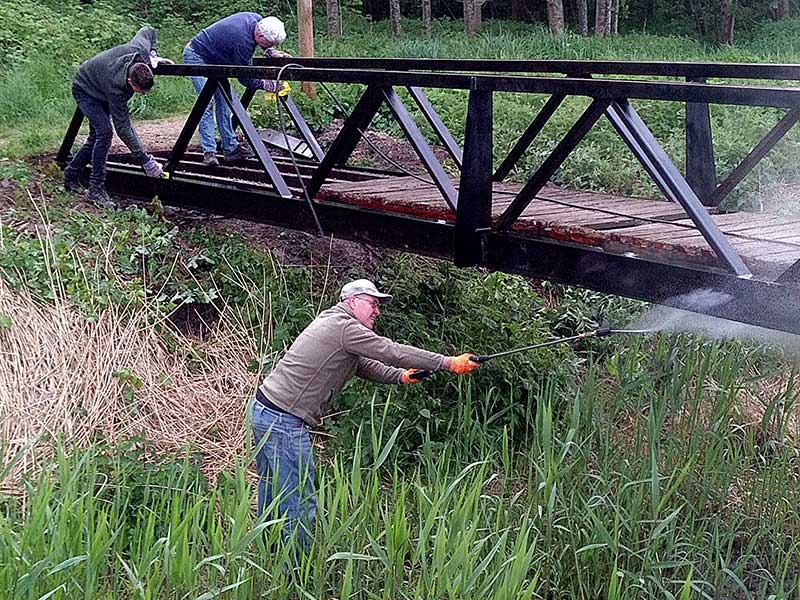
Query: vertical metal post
[
  {"x": 69, "y": 139},
  {"x": 192, "y": 121},
  {"x": 701, "y": 171},
  {"x": 474, "y": 209}
]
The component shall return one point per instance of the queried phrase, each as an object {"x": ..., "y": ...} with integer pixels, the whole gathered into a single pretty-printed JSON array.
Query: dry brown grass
[{"x": 64, "y": 376}]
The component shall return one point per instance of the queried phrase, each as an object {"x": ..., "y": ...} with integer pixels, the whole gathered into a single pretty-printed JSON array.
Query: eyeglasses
[{"x": 373, "y": 303}]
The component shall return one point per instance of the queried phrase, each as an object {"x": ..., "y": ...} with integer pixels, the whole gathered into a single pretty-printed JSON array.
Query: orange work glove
[
  {"x": 463, "y": 364},
  {"x": 406, "y": 376}
]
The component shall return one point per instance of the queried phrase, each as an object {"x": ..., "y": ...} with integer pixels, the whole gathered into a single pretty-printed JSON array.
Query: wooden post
[{"x": 305, "y": 32}]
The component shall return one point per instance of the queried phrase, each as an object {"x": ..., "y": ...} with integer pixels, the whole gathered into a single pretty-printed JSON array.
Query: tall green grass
[{"x": 630, "y": 486}]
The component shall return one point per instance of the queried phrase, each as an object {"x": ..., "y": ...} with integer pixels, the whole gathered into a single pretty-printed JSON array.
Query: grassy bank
[{"x": 627, "y": 487}]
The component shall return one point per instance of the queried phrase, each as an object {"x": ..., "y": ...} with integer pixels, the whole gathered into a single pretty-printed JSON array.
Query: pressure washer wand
[
  {"x": 482, "y": 358},
  {"x": 599, "y": 332}
]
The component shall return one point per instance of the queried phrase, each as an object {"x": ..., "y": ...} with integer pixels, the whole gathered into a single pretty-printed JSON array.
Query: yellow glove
[{"x": 284, "y": 91}]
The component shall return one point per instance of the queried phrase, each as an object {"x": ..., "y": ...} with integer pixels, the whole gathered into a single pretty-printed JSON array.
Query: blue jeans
[
  {"x": 207, "y": 138},
  {"x": 285, "y": 464}
]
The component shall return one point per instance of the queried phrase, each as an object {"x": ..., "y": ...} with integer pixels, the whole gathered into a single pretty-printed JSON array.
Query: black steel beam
[
  {"x": 738, "y": 298},
  {"x": 700, "y": 166},
  {"x": 627, "y": 135},
  {"x": 775, "y": 135},
  {"x": 712, "y": 293},
  {"x": 439, "y": 128},
  {"x": 250, "y": 133},
  {"x": 551, "y": 164},
  {"x": 474, "y": 213},
  {"x": 421, "y": 147},
  {"x": 348, "y": 137},
  {"x": 611, "y": 89},
  {"x": 190, "y": 126},
  {"x": 682, "y": 191},
  {"x": 65, "y": 150},
  {"x": 526, "y": 139},
  {"x": 791, "y": 276},
  {"x": 247, "y": 98},
  {"x": 302, "y": 127},
  {"x": 568, "y": 67}
]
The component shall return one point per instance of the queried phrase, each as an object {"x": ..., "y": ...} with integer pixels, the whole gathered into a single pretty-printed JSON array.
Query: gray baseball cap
[{"x": 363, "y": 286}]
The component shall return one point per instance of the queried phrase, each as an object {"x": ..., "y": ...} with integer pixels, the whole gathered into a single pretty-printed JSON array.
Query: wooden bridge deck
[{"x": 769, "y": 244}]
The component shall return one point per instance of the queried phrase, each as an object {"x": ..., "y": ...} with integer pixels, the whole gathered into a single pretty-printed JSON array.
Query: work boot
[
  {"x": 240, "y": 152},
  {"x": 72, "y": 183},
  {"x": 98, "y": 196},
  {"x": 210, "y": 159}
]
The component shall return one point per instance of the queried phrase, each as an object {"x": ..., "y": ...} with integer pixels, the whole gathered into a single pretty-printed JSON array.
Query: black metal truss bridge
[{"x": 660, "y": 250}]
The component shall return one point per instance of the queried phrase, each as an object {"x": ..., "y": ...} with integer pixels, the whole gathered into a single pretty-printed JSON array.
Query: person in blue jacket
[{"x": 231, "y": 41}]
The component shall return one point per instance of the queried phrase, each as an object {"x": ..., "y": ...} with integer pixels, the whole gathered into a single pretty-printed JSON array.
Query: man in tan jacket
[{"x": 338, "y": 345}]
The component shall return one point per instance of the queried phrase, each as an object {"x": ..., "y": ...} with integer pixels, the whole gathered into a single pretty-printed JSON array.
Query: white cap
[
  {"x": 272, "y": 29},
  {"x": 363, "y": 286}
]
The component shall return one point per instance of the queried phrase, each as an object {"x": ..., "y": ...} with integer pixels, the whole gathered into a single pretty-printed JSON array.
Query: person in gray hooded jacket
[
  {"x": 102, "y": 88},
  {"x": 338, "y": 345}
]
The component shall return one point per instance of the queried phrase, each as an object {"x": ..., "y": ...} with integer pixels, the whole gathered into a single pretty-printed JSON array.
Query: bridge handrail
[
  {"x": 776, "y": 97},
  {"x": 689, "y": 70}
]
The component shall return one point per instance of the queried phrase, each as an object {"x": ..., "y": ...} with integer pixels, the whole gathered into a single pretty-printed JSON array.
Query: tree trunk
[
  {"x": 305, "y": 31},
  {"x": 334, "y": 18},
  {"x": 602, "y": 19},
  {"x": 394, "y": 17},
  {"x": 727, "y": 21},
  {"x": 583, "y": 16},
  {"x": 477, "y": 15},
  {"x": 426, "y": 16},
  {"x": 615, "y": 17},
  {"x": 473, "y": 18},
  {"x": 555, "y": 16}
]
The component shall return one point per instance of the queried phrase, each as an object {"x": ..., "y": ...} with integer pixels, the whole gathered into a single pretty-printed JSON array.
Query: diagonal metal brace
[
  {"x": 69, "y": 139},
  {"x": 435, "y": 121},
  {"x": 675, "y": 185},
  {"x": 421, "y": 147},
  {"x": 551, "y": 164},
  {"x": 250, "y": 133},
  {"x": 349, "y": 136},
  {"x": 527, "y": 137},
  {"x": 190, "y": 126}
]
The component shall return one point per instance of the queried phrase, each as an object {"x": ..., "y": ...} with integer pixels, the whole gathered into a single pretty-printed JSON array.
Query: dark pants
[{"x": 98, "y": 144}]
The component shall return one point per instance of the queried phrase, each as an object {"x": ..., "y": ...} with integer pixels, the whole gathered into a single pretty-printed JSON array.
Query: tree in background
[
  {"x": 394, "y": 17},
  {"x": 334, "y": 15},
  {"x": 555, "y": 16},
  {"x": 602, "y": 18},
  {"x": 727, "y": 21},
  {"x": 473, "y": 16},
  {"x": 582, "y": 14},
  {"x": 426, "y": 16},
  {"x": 780, "y": 9}
]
